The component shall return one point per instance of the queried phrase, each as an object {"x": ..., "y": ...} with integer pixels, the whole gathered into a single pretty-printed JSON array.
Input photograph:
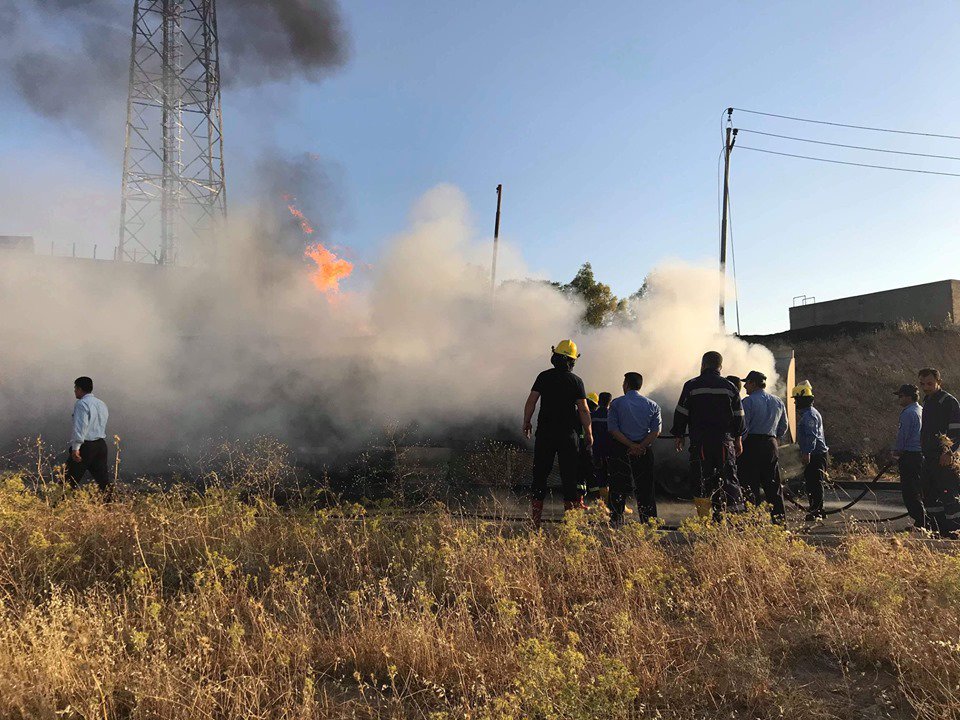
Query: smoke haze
[
  {"x": 69, "y": 59},
  {"x": 181, "y": 355}
]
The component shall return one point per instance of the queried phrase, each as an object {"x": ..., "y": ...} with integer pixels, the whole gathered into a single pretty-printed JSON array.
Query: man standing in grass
[
  {"x": 88, "y": 445},
  {"x": 709, "y": 407},
  {"x": 765, "y": 418},
  {"x": 813, "y": 449},
  {"x": 908, "y": 452},
  {"x": 563, "y": 410},
  {"x": 634, "y": 423},
  {"x": 939, "y": 440}
]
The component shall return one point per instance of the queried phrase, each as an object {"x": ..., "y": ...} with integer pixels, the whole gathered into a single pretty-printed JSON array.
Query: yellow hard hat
[
  {"x": 594, "y": 398},
  {"x": 804, "y": 389},
  {"x": 568, "y": 348}
]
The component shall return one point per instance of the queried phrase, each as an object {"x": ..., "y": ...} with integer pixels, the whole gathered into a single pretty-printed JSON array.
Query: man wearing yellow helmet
[
  {"x": 563, "y": 411},
  {"x": 813, "y": 448}
]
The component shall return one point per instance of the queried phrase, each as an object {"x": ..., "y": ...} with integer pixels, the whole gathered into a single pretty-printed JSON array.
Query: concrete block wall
[{"x": 930, "y": 304}]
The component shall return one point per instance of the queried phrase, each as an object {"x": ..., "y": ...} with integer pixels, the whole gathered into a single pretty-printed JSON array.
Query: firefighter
[
  {"x": 939, "y": 480},
  {"x": 709, "y": 408},
  {"x": 634, "y": 422},
  {"x": 765, "y": 421},
  {"x": 601, "y": 448},
  {"x": 813, "y": 449},
  {"x": 907, "y": 452},
  {"x": 586, "y": 470},
  {"x": 563, "y": 410}
]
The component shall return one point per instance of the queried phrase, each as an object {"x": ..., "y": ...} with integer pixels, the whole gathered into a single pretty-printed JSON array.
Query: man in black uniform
[
  {"x": 709, "y": 408},
  {"x": 563, "y": 410},
  {"x": 939, "y": 481}
]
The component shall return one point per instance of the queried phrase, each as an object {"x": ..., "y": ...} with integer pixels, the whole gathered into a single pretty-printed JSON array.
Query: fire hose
[{"x": 863, "y": 493}]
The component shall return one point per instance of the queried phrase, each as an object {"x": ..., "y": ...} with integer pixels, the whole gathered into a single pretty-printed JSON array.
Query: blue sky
[{"x": 603, "y": 123}]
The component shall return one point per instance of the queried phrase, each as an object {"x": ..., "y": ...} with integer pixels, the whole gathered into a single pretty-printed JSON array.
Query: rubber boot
[
  {"x": 704, "y": 507},
  {"x": 536, "y": 512}
]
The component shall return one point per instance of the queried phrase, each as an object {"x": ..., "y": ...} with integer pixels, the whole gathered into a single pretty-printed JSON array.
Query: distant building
[
  {"x": 936, "y": 303},
  {"x": 19, "y": 243}
]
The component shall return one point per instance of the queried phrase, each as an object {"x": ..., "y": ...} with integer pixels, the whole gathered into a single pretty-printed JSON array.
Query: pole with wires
[
  {"x": 496, "y": 242},
  {"x": 731, "y": 138}
]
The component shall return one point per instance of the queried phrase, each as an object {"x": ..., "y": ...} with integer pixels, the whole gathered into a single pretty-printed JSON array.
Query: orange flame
[{"x": 330, "y": 269}]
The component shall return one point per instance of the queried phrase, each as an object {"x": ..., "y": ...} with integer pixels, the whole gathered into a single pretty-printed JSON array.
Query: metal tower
[{"x": 174, "y": 192}]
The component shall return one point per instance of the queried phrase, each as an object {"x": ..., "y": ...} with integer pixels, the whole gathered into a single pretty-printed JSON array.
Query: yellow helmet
[
  {"x": 804, "y": 389},
  {"x": 594, "y": 398},
  {"x": 567, "y": 348}
]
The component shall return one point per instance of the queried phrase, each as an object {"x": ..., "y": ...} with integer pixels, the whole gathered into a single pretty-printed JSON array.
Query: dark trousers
[
  {"x": 631, "y": 473},
  {"x": 911, "y": 466},
  {"x": 93, "y": 458},
  {"x": 759, "y": 468},
  {"x": 814, "y": 474},
  {"x": 713, "y": 472},
  {"x": 940, "y": 488},
  {"x": 585, "y": 469},
  {"x": 548, "y": 447},
  {"x": 601, "y": 472}
]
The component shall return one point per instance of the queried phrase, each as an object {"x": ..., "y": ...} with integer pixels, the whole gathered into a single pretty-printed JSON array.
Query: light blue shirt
[
  {"x": 89, "y": 420},
  {"x": 810, "y": 435},
  {"x": 764, "y": 414},
  {"x": 908, "y": 432},
  {"x": 634, "y": 415}
]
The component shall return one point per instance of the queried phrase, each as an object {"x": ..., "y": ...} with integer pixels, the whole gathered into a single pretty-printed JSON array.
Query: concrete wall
[{"x": 929, "y": 304}]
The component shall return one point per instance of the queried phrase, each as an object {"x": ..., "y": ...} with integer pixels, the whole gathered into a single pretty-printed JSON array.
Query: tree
[{"x": 602, "y": 305}]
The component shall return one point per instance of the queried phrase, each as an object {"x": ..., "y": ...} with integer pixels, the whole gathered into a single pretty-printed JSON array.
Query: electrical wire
[
  {"x": 845, "y": 125},
  {"x": 852, "y": 147},
  {"x": 844, "y": 162}
]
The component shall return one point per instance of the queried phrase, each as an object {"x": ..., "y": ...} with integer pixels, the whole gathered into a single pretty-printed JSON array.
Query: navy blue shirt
[{"x": 810, "y": 435}]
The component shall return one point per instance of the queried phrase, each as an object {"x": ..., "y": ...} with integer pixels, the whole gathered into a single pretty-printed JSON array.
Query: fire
[
  {"x": 295, "y": 211},
  {"x": 330, "y": 269}
]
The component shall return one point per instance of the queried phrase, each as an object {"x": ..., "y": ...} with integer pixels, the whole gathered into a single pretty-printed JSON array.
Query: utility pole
[
  {"x": 727, "y": 149},
  {"x": 496, "y": 242}
]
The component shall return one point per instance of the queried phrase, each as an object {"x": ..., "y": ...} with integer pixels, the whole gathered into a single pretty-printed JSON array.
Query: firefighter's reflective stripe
[
  {"x": 711, "y": 391},
  {"x": 682, "y": 410}
]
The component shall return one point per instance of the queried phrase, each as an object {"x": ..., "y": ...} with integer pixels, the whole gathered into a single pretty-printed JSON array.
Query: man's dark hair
[
  {"x": 930, "y": 372},
  {"x": 84, "y": 383},
  {"x": 605, "y": 399},
  {"x": 562, "y": 362},
  {"x": 737, "y": 382},
  {"x": 712, "y": 360},
  {"x": 633, "y": 380},
  {"x": 913, "y": 394}
]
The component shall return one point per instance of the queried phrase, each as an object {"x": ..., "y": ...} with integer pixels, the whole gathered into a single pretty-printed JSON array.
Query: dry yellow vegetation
[{"x": 176, "y": 605}]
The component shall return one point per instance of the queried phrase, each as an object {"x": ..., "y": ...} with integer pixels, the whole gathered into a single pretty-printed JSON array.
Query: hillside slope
[{"x": 855, "y": 374}]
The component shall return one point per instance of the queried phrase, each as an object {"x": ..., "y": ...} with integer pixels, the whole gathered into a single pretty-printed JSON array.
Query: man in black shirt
[
  {"x": 939, "y": 440},
  {"x": 709, "y": 407},
  {"x": 563, "y": 411}
]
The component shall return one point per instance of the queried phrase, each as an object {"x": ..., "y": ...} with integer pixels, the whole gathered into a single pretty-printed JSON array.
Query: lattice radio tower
[{"x": 174, "y": 192}]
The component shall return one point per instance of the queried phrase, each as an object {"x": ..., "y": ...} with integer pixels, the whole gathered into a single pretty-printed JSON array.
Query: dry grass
[
  {"x": 854, "y": 378},
  {"x": 173, "y": 605}
]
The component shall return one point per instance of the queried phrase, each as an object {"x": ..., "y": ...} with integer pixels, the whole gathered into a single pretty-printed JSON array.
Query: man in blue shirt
[
  {"x": 907, "y": 452},
  {"x": 765, "y": 418},
  {"x": 633, "y": 422},
  {"x": 813, "y": 448},
  {"x": 88, "y": 445}
]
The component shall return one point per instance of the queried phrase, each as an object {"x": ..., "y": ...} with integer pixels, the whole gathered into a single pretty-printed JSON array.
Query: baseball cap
[
  {"x": 756, "y": 376},
  {"x": 908, "y": 390}
]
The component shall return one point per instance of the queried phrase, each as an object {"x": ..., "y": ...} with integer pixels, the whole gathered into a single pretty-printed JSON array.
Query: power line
[
  {"x": 843, "y": 162},
  {"x": 855, "y": 127},
  {"x": 852, "y": 147}
]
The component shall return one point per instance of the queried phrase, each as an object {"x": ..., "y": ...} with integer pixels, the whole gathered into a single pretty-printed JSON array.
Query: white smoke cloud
[{"x": 184, "y": 354}]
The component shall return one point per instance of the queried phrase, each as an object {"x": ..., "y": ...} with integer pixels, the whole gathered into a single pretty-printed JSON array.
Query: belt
[{"x": 760, "y": 435}]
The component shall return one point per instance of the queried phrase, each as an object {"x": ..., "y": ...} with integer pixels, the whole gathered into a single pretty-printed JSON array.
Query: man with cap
[
  {"x": 765, "y": 418},
  {"x": 813, "y": 448},
  {"x": 634, "y": 422},
  {"x": 907, "y": 452},
  {"x": 563, "y": 411}
]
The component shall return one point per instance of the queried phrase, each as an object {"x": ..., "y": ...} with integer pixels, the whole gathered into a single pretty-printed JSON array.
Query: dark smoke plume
[{"x": 69, "y": 59}]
